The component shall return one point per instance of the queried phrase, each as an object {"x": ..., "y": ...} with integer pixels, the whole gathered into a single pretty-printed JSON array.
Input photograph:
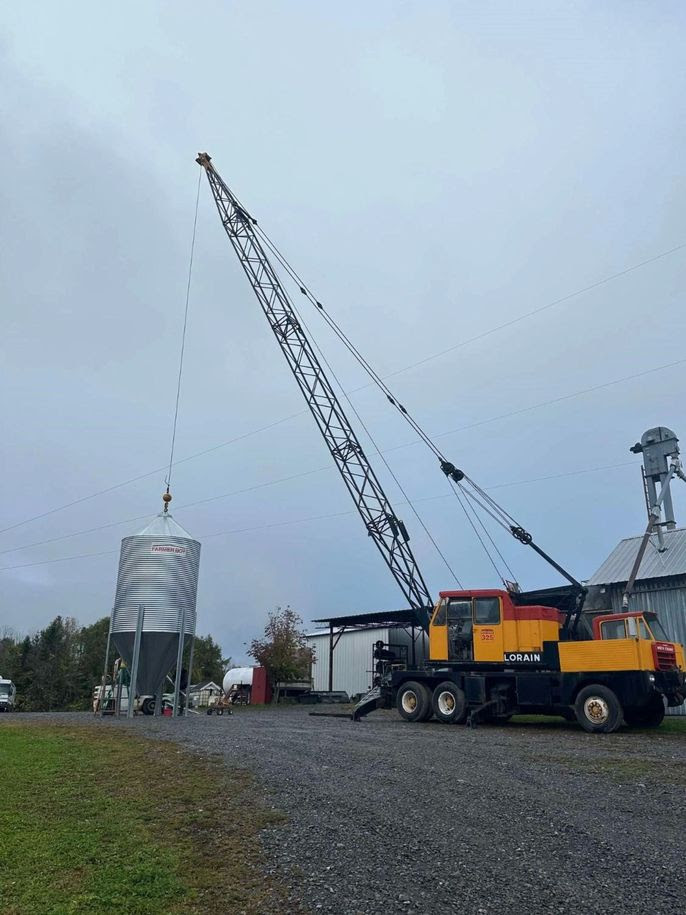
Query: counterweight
[{"x": 383, "y": 526}]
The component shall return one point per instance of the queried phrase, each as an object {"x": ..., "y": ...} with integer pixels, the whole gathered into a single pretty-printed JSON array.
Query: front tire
[
  {"x": 414, "y": 701},
  {"x": 598, "y": 709},
  {"x": 449, "y": 703}
]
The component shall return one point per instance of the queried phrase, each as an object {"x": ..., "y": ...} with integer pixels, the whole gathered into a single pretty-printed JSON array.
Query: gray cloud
[{"x": 433, "y": 171}]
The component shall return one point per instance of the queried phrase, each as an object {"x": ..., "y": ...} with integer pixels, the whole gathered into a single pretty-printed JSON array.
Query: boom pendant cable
[
  {"x": 453, "y": 473},
  {"x": 167, "y": 496}
]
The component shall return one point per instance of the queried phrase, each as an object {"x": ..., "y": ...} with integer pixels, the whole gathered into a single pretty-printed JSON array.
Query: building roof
[
  {"x": 198, "y": 687},
  {"x": 380, "y": 618},
  {"x": 617, "y": 566}
]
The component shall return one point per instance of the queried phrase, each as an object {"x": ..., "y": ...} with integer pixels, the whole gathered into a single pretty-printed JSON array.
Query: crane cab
[{"x": 487, "y": 626}]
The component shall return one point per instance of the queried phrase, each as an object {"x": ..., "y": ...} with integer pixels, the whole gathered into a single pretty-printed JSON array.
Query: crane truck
[{"x": 492, "y": 652}]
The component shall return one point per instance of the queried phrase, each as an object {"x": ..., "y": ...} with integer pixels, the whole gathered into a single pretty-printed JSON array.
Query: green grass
[
  {"x": 95, "y": 821},
  {"x": 670, "y": 726}
]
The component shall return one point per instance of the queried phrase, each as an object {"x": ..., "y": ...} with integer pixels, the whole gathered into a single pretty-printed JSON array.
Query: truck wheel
[
  {"x": 148, "y": 706},
  {"x": 414, "y": 701},
  {"x": 598, "y": 710},
  {"x": 209, "y": 711},
  {"x": 449, "y": 703},
  {"x": 220, "y": 711},
  {"x": 649, "y": 717}
]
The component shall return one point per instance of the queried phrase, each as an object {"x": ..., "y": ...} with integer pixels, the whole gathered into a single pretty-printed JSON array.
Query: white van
[{"x": 8, "y": 694}]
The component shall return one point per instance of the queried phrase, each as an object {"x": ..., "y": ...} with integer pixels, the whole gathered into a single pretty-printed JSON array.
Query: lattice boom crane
[
  {"x": 492, "y": 653},
  {"x": 384, "y": 527}
]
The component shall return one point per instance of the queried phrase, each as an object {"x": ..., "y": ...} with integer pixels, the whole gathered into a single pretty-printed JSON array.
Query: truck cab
[{"x": 8, "y": 694}]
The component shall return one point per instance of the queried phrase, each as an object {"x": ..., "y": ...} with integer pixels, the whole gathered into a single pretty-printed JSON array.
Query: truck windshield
[
  {"x": 658, "y": 631},
  {"x": 4, "y": 689}
]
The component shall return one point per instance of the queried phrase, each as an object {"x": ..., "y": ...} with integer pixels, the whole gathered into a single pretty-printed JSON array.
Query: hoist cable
[
  {"x": 474, "y": 498},
  {"x": 474, "y": 528},
  {"x": 507, "y": 517},
  {"x": 183, "y": 338},
  {"x": 492, "y": 541}
]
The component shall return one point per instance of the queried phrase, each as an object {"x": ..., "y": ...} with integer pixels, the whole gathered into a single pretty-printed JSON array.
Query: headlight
[{"x": 651, "y": 678}]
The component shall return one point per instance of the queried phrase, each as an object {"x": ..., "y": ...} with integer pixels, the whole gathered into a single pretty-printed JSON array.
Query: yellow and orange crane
[{"x": 492, "y": 652}]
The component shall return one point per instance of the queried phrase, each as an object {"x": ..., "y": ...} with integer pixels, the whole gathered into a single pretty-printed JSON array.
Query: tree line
[{"x": 57, "y": 668}]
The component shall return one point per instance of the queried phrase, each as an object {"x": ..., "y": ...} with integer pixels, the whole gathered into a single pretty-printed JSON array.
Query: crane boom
[{"x": 384, "y": 527}]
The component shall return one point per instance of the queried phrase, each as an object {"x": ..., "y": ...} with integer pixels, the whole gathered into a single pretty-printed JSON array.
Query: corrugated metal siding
[
  {"x": 667, "y": 598},
  {"x": 617, "y": 566},
  {"x": 352, "y": 661},
  {"x": 164, "y": 583}
]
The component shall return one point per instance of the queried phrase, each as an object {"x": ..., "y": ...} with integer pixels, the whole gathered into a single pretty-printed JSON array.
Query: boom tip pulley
[{"x": 205, "y": 160}]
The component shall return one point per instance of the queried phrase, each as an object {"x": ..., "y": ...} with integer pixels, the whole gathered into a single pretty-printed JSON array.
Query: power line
[
  {"x": 399, "y": 371},
  {"x": 544, "y": 403},
  {"x": 225, "y": 495},
  {"x": 536, "y": 311},
  {"x": 464, "y": 428},
  {"x": 556, "y": 476},
  {"x": 150, "y": 473}
]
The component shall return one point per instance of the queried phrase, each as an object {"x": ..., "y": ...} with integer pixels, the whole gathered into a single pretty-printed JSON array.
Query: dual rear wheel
[{"x": 415, "y": 702}]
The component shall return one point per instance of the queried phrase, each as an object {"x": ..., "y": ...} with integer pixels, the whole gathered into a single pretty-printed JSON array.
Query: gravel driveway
[{"x": 389, "y": 817}]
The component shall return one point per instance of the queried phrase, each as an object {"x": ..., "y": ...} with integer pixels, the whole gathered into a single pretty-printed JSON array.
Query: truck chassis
[{"x": 599, "y": 701}]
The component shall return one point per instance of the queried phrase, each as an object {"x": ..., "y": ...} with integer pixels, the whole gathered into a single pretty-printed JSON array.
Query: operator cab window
[
  {"x": 613, "y": 629},
  {"x": 439, "y": 616},
  {"x": 459, "y": 610},
  {"x": 486, "y": 610}
]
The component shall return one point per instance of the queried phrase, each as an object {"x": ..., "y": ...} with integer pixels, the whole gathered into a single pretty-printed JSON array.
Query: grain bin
[{"x": 158, "y": 570}]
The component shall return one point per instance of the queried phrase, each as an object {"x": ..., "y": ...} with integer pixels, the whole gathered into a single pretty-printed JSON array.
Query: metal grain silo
[{"x": 158, "y": 571}]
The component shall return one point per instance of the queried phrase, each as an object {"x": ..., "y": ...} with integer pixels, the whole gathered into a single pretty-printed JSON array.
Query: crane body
[{"x": 492, "y": 652}]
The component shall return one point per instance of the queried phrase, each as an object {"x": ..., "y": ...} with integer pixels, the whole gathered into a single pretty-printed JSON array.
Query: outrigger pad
[{"x": 368, "y": 703}]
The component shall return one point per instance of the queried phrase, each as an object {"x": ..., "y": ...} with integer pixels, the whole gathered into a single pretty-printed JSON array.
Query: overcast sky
[{"x": 433, "y": 170}]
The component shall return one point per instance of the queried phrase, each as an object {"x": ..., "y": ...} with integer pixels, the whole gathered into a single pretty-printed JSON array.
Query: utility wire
[
  {"x": 278, "y": 422},
  {"x": 203, "y": 537},
  {"x": 91, "y": 530},
  {"x": 151, "y": 473},
  {"x": 399, "y": 371},
  {"x": 481, "y": 422},
  {"x": 541, "y": 308},
  {"x": 225, "y": 495},
  {"x": 453, "y": 474},
  {"x": 183, "y": 337}
]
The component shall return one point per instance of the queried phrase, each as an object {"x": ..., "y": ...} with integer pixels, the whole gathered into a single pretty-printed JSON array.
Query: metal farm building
[
  {"x": 344, "y": 650},
  {"x": 660, "y": 584}
]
